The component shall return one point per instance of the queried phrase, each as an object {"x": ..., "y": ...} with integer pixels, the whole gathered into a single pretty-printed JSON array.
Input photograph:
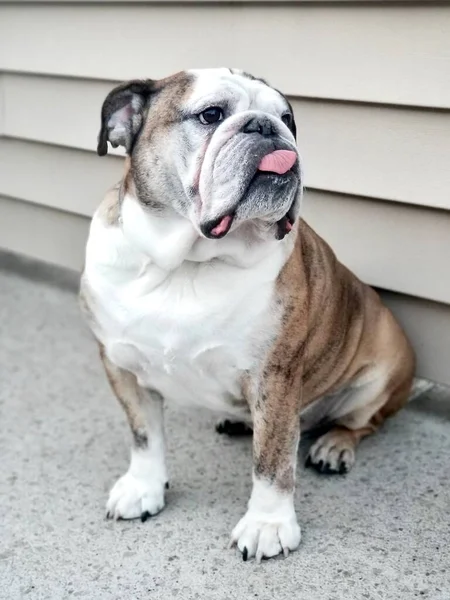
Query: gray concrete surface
[{"x": 382, "y": 532}]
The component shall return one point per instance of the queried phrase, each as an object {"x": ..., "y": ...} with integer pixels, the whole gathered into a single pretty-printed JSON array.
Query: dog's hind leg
[{"x": 334, "y": 452}]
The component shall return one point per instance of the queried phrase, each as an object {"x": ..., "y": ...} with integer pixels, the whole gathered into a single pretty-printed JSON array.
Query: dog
[{"x": 203, "y": 285}]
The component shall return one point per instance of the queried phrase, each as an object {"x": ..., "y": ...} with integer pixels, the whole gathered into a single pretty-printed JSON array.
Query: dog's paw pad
[
  {"x": 133, "y": 498},
  {"x": 333, "y": 453}
]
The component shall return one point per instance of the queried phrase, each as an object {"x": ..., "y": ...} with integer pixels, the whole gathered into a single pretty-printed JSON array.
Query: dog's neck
[{"x": 168, "y": 239}]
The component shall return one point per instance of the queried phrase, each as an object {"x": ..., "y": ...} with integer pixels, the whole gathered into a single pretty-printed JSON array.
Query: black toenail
[
  {"x": 167, "y": 485},
  {"x": 308, "y": 462},
  {"x": 245, "y": 554},
  {"x": 145, "y": 515},
  {"x": 320, "y": 465},
  {"x": 220, "y": 427},
  {"x": 343, "y": 468}
]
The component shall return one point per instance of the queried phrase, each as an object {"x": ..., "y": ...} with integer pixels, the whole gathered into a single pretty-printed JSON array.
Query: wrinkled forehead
[{"x": 216, "y": 87}]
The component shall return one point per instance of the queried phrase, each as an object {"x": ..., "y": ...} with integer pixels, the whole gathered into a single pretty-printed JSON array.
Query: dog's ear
[{"x": 123, "y": 114}]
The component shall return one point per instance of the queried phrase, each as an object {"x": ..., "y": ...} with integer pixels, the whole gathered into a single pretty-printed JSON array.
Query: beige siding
[
  {"x": 2, "y": 105},
  {"x": 46, "y": 234},
  {"x": 57, "y": 177},
  {"x": 380, "y": 53},
  {"x": 370, "y": 85}
]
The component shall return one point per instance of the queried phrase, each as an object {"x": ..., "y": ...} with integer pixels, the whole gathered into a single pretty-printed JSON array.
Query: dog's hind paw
[
  {"x": 333, "y": 453},
  {"x": 233, "y": 428}
]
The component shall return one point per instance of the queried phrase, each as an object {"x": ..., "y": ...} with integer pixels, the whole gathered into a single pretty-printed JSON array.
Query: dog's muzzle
[
  {"x": 251, "y": 171},
  {"x": 277, "y": 162}
]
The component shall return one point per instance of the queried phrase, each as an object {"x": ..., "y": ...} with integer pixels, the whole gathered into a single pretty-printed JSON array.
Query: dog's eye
[
  {"x": 211, "y": 115},
  {"x": 287, "y": 119}
]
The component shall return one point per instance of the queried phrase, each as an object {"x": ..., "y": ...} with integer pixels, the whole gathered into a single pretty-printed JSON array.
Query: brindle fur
[
  {"x": 130, "y": 395},
  {"x": 334, "y": 330}
]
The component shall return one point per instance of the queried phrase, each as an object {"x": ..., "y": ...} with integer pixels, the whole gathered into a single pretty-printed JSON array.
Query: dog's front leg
[
  {"x": 140, "y": 492},
  {"x": 270, "y": 525}
]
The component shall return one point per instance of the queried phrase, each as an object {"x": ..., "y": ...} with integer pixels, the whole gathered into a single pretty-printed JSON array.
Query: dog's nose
[{"x": 261, "y": 125}]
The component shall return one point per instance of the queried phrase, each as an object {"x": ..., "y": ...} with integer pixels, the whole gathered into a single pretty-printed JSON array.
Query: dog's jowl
[{"x": 203, "y": 285}]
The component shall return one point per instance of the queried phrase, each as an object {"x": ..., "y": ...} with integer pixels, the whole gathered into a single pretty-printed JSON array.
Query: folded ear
[{"x": 123, "y": 114}]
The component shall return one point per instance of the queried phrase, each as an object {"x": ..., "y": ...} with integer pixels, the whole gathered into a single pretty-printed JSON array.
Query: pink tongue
[{"x": 278, "y": 161}]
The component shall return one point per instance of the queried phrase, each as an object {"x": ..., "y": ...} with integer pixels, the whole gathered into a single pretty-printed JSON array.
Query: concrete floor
[{"x": 382, "y": 532}]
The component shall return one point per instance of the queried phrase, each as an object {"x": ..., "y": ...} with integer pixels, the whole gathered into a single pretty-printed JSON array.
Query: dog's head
[{"x": 215, "y": 145}]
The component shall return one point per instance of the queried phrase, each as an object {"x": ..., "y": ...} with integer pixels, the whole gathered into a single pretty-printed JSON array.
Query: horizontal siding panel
[
  {"x": 54, "y": 110},
  {"x": 401, "y": 155},
  {"x": 60, "y": 238},
  {"x": 2, "y": 105},
  {"x": 385, "y": 53},
  {"x": 365, "y": 150},
  {"x": 63, "y": 178},
  {"x": 396, "y": 247},
  {"x": 43, "y": 233}
]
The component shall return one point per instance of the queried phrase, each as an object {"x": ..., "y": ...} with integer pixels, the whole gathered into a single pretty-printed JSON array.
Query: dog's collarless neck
[{"x": 168, "y": 240}]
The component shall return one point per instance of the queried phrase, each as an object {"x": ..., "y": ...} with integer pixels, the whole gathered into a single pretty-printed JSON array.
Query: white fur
[
  {"x": 142, "y": 487},
  {"x": 243, "y": 93},
  {"x": 269, "y": 526},
  {"x": 186, "y": 315}
]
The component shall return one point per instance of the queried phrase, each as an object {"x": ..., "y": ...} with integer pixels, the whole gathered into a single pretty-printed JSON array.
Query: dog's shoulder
[{"x": 108, "y": 211}]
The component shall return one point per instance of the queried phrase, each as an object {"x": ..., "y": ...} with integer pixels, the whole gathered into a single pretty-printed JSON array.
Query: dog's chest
[{"x": 192, "y": 335}]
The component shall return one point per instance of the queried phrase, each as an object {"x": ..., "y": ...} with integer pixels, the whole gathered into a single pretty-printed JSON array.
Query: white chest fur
[{"x": 188, "y": 316}]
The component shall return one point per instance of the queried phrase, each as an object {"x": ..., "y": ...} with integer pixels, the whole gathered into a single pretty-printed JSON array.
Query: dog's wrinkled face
[{"x": 215, "y": 145}]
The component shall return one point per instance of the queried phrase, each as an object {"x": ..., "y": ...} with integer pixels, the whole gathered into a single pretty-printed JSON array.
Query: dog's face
[{"x": 215, "y": 145}]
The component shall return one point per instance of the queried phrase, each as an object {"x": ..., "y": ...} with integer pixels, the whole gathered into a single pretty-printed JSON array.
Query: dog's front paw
[
  {"x": 133, "y": 497},
  {"x": 266, "y": 535}
]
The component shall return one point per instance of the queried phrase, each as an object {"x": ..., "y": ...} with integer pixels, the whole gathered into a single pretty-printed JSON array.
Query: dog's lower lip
[
  {"x": 223, "y": 226},
  {"x": 218, "y": 228},
  {"x": 274, "y": 173}
]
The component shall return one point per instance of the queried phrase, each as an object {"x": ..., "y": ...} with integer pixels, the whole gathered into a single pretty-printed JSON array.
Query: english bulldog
[{"x": 203, "y": 285}]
